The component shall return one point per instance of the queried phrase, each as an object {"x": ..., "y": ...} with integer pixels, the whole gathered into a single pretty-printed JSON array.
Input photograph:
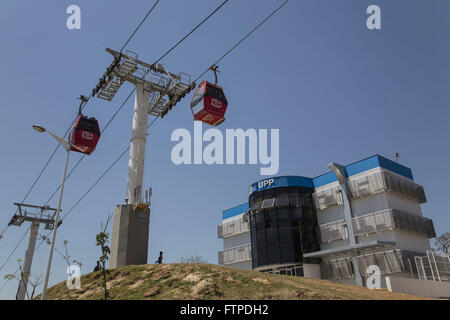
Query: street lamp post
[{"x": 66, "y": 146}]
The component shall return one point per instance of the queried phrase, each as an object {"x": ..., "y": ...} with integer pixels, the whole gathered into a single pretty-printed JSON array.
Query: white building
[
  {"x": 235, "y": 233},
  {"x": 363, "y": 214}
]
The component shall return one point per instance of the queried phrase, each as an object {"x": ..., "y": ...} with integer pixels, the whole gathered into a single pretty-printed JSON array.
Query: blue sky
[{"x": 336, "y": 90}]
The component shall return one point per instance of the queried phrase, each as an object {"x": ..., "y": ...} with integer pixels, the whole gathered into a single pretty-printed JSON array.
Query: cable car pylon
[
  {"x": 157, "y": 92},
  {"x": 36, "y": 215}
]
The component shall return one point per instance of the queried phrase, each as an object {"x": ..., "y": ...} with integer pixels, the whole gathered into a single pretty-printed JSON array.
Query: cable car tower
[
  {"x": 36, "y": 215},
  {"x": 157, "y": 92}
]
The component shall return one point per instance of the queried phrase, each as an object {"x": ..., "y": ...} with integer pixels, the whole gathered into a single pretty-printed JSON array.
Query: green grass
[{"x": 207, "y": 281}]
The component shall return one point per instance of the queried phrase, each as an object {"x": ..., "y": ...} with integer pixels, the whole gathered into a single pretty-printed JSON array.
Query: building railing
[
  {"x": 370, "y": 184},
  {"x": 384, "y": 220},
  {"x": 374, "y": 222},
  {"x": 232, "y": 228},
  {"x": 389, "y": 262},
  {"x": 433, "y": 267},
  {"x": 333, "y": 231},
  {"x": 328, "y": 197},
  {"x": 235, "y": 255}
]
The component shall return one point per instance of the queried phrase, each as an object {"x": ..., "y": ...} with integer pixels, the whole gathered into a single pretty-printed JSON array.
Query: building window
[{"x": 283, "y": 227}]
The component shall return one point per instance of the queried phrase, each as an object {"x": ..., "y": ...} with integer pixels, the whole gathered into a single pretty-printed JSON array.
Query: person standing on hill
[{"x": 160, "y": 258}]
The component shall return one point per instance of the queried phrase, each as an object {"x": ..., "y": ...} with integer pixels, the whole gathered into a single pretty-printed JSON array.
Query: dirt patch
[
  {"x": 152, "y": 292},
  {"x": 201, "y": 287},
  {"x": 206, "y": 288},
  {"x": 137, "y": 284},
  {"x": 112, "y": 283},
  {"x": 193, "y": 277},
  {"x": 261, "y": 280},
  {"x": 230, "y": 280},
  {"x": 161, "y": 275},
  {"x": 88, "y": 293}
]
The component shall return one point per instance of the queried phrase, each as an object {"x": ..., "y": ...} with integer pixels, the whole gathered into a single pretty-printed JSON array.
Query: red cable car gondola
[
  {"x": 209, "y": 103},
  {"x": 85, "y": 133}
]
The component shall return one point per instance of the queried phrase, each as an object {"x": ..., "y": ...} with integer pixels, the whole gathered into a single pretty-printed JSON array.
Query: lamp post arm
[{"x": 61, "y": 141}]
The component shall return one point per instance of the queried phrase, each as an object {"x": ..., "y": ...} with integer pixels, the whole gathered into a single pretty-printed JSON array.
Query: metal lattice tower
[
  {"x": 157, "y": 92},
  {"x": 36, "y": 215},
  {"x": 166, "y": 89}
]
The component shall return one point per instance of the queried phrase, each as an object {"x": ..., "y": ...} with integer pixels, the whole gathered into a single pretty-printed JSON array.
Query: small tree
[
  {"x": 442, "y": 243},
  {"x": 44, "y": 238},
  {"x": 19, "y": 278},
  {"x": 33, "y": 280},
  {"x": 102, "y": 240},
  {"x": 66, "y": 256}
]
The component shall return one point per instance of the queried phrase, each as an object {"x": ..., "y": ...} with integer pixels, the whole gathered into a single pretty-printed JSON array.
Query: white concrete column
[
  {"x": 137, "y": 145},
  {"x": 339, "y": 171},
  {"x": 26, "y": 268}
]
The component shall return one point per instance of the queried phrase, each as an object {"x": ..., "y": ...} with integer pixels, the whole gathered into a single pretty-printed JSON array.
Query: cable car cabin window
[
  {"x": 215, "y": 93},
  {"x": 198, "y": 96},
  {"x": 88, "y": 125}
]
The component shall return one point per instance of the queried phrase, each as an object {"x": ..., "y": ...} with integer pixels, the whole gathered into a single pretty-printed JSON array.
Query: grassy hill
[{"x": 206, "y": 281}]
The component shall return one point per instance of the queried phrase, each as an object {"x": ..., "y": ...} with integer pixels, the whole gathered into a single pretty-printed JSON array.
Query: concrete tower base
[{"x": 129, "y": 241}]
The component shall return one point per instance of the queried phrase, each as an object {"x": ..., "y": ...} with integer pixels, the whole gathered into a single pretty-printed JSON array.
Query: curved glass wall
[{"x": 283, "y": 226}]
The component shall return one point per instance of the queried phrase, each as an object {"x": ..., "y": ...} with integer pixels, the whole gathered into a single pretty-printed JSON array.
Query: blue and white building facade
[{"x": 336, "y": 226}]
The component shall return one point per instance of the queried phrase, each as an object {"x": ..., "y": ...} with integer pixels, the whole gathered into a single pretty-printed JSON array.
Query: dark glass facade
[{"x": 283, "y": 226}]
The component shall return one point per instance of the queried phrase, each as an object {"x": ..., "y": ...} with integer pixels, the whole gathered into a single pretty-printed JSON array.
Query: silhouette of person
[
  {"x": 160, "y": 258},
  {"x": 98, "y": 266}
]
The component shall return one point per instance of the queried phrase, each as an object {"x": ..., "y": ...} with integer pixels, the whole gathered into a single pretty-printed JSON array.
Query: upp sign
[{"x": 265, "y": 183}]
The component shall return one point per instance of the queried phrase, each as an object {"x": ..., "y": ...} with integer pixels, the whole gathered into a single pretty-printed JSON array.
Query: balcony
[
  {"x": 392, "y": 219},
  {"x": 389, "y": 262},
  {"x": 232, "y": 228},
  {"x": 328, "y": 197},
  {"x": 235, "y": 255},
  {"x": 333, "y": 231},
  {"x": 370, "y": 184},
  {"x": 374, "y": 222},
  {"x": 385, "y": 220}
]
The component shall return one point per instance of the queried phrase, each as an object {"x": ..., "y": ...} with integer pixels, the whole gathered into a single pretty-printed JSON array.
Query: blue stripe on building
[
  {"x": 235, "y": 211},
  {"x": 365, "y": 165}
]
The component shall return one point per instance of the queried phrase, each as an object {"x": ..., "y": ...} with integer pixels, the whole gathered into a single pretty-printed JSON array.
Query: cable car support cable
[
  {"x": 242, "y": 40},
  {"x": 192, "y": 31}
]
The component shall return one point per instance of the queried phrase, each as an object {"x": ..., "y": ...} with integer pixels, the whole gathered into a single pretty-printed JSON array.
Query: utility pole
[
  {"x": 157, "y": 92},
  {"x": 36, "y": 215}
]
